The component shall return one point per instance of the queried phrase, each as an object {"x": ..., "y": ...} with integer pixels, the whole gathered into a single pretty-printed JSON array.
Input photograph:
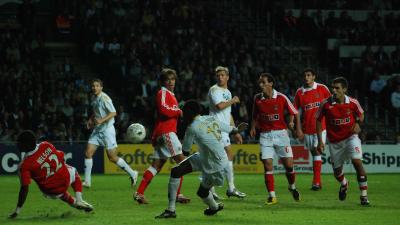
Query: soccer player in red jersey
[
  {"x": 343, "y": 116},
  {"x": 308, "y": 98},
  {"x": 46, "y": 166},
  {"x": 165, "y": 141},
  {"x": 268, "y": 117}
]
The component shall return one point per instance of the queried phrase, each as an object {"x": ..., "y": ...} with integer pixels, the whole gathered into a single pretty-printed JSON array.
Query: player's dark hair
[
  {"x": 306, "y": 70},
  {"x": 342, "y": 81},
  {"x": 97, "y": 80},
  {"x": 269, "y": 77},
  {"x": 26, "y": 141},
  {"x": 190, "y": 110},
  {"x": 165, "y": 73}
]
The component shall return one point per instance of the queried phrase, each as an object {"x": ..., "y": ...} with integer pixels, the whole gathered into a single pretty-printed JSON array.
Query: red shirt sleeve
[
  {"x": 167, "y": 104},
  {"x": 297, "y": 103},
  {"x": 289, "y": 106},
  {"x": 357, "y": 107},
  {"x": 320, "y": 114}
]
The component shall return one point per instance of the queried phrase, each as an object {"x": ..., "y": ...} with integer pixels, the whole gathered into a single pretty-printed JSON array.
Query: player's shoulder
[
  {"x": 322, "y": 87},
  {"x": 105, "y": 97},
  {"x": 299, "y": 91},
  {"x": 214, "y": 88},
  {"x": 354, "y": 100},
  {"x": 45, "y": 144}
]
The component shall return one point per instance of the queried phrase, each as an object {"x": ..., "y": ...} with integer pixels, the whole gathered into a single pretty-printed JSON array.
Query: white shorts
[
  {"x": 311, "y": 140},
  {"x": 168, "y": 145},
  {"x": 226, "y": 141},
  {"x": 342, "y": 151},
  {"x": 208, "y": 180},
  {"x": 104, "y": 138},
  {"x": 276, "y": 141}
]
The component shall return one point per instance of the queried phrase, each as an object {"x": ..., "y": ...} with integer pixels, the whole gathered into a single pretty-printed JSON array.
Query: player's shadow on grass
[{"x": 50, "y": 216}]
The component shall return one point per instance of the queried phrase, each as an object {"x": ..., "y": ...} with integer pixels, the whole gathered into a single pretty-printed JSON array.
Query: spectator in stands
[
  {"x": 395, "y": 98},
  {"x": 377, "y": 84},
  {"x": 381, "y": 59}
]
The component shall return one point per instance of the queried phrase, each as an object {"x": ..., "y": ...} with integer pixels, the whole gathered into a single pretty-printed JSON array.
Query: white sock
[
  {"x": 209, "y": 200},
  {"x": 173, "y": 185},
  {"x": 229, "y": 175},
  {"x": 88, "y": 170},
  {"x": 317, "y": 158},
  {"x": 363, "y": 192},
  {"x": 123, "y": 165},
  {"x": 272, "y": 194},
  {"x": 78, "y": 196},
  {"x": 212, "y": 190},
  {"x": 292, "y": 186},
  {"x": 344, "y": 182}
]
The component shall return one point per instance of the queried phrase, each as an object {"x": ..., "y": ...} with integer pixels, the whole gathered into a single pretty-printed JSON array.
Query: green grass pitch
[{"x": 112, "y": 199}]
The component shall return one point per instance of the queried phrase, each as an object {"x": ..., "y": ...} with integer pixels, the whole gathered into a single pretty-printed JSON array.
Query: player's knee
[
  {"x": 202, "y": 192},
  {"x": 176, "y": 172},
  {"x": 289, "y": 170}
]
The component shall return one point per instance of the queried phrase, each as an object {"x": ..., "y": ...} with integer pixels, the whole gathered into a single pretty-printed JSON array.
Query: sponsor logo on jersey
[
  {"x": 270, "y": 117},
  {"x": 312, "y": 106},
  {"x": 341, "y": 121}
]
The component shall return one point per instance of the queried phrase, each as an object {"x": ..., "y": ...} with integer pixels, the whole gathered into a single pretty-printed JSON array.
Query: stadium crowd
[{"x": 129, "y": 42}]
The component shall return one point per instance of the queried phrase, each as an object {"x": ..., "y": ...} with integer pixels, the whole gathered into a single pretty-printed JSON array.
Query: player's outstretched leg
[
  {"x": 232, "y": 190},
  {"x": 147, "y": 177},
  {"x": 173, "y": 185},
  {"x": 269, "y": 184},
  {"x": 317, "y": 165},
  {"x": 207, "y": 197}
]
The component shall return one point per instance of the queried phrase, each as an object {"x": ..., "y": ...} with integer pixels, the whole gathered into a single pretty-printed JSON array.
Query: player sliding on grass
[
  {"x": 269, "y": 119},
  {"x": 45, "y": 165},
  {"x": 343, "y": 116},
  {"x": 211, "y": 159}
]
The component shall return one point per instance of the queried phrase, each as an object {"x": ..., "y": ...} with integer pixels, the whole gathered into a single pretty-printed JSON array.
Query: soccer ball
[{"x": 136, "y": 133}]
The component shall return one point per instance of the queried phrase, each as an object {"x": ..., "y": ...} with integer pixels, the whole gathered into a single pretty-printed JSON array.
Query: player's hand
[
  {"x": 291, "y": 125},
  {"x": 253, "y": 132},
  {"x": 320, "y": 147},
  {"x": 98, "y": 121},
  {"x": 238, "y": 138},
  {"x": 242, "y": 127},
  {"x": 13, "y": 215},
  {"x": 235, "y": 100},
  {"x": 89, "y": 124},
  {"x": 299, "y": 134},
  {"x": 356, "y": 128}
]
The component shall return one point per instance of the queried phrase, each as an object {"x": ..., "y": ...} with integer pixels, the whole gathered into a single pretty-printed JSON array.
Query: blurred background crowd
[{"x": 50, "y": 50}]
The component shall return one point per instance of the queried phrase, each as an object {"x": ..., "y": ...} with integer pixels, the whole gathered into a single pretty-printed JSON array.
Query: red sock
[
  {"x": 147, "y": 177},
  {"x": 269, "y": 181},
  {"x": 317, "y": 172},
  {"x": 67, "y": 198},
  {"x": 291, "y": 177},
  {"x": 77, "y": 185},
  {"x": 179, "y": 187}
]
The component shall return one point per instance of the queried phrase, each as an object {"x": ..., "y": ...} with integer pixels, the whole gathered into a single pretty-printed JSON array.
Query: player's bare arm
[
  {"x": 223, "y": 105},
  {"x": 357, "y": 126},
  {"x": 23, "y": 193},
  {"x": 299, "y": 131},
  {"x": 90, "y": 122},
  {"x": 104, "y": 119},
  {"x": 321, "y": 145}
]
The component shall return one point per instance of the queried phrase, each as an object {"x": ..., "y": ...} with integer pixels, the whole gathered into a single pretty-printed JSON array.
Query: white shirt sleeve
[
  {"x": 225, "y": 127},
  {"x": 188, "y": 140},
  {"x": 216, "y": 96},
  {"x": 109, "y": 105}
]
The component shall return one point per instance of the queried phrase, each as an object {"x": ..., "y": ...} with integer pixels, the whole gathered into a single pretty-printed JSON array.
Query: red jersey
[
  {"x": 340, "y": 118},
  {"x": 168, "y": 113},
  {"x": 309, "y": 100},
  {"x": 46, "y": 166},
  {"x": 269, "y": 113}
]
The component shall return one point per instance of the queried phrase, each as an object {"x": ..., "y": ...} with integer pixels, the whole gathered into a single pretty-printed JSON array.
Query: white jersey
[
  {"x": 102, "y": 105},
  {"x": 205, "y": 131},
  {"x": 217, "y": 95}
]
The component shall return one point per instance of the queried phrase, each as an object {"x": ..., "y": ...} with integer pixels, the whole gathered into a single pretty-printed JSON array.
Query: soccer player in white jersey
[
  {"x": 220, "y": 107},
  {"x": 211, "y": 159},
  {"x": 103, "y": 134}
]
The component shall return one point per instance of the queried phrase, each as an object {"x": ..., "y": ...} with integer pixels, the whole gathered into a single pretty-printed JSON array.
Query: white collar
[
  {"x": 166, "y": 89},
  {"x": 274, "y": 94},
  {"x": 309, "y": 88},
  {"x": 346, "y": 100}
]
